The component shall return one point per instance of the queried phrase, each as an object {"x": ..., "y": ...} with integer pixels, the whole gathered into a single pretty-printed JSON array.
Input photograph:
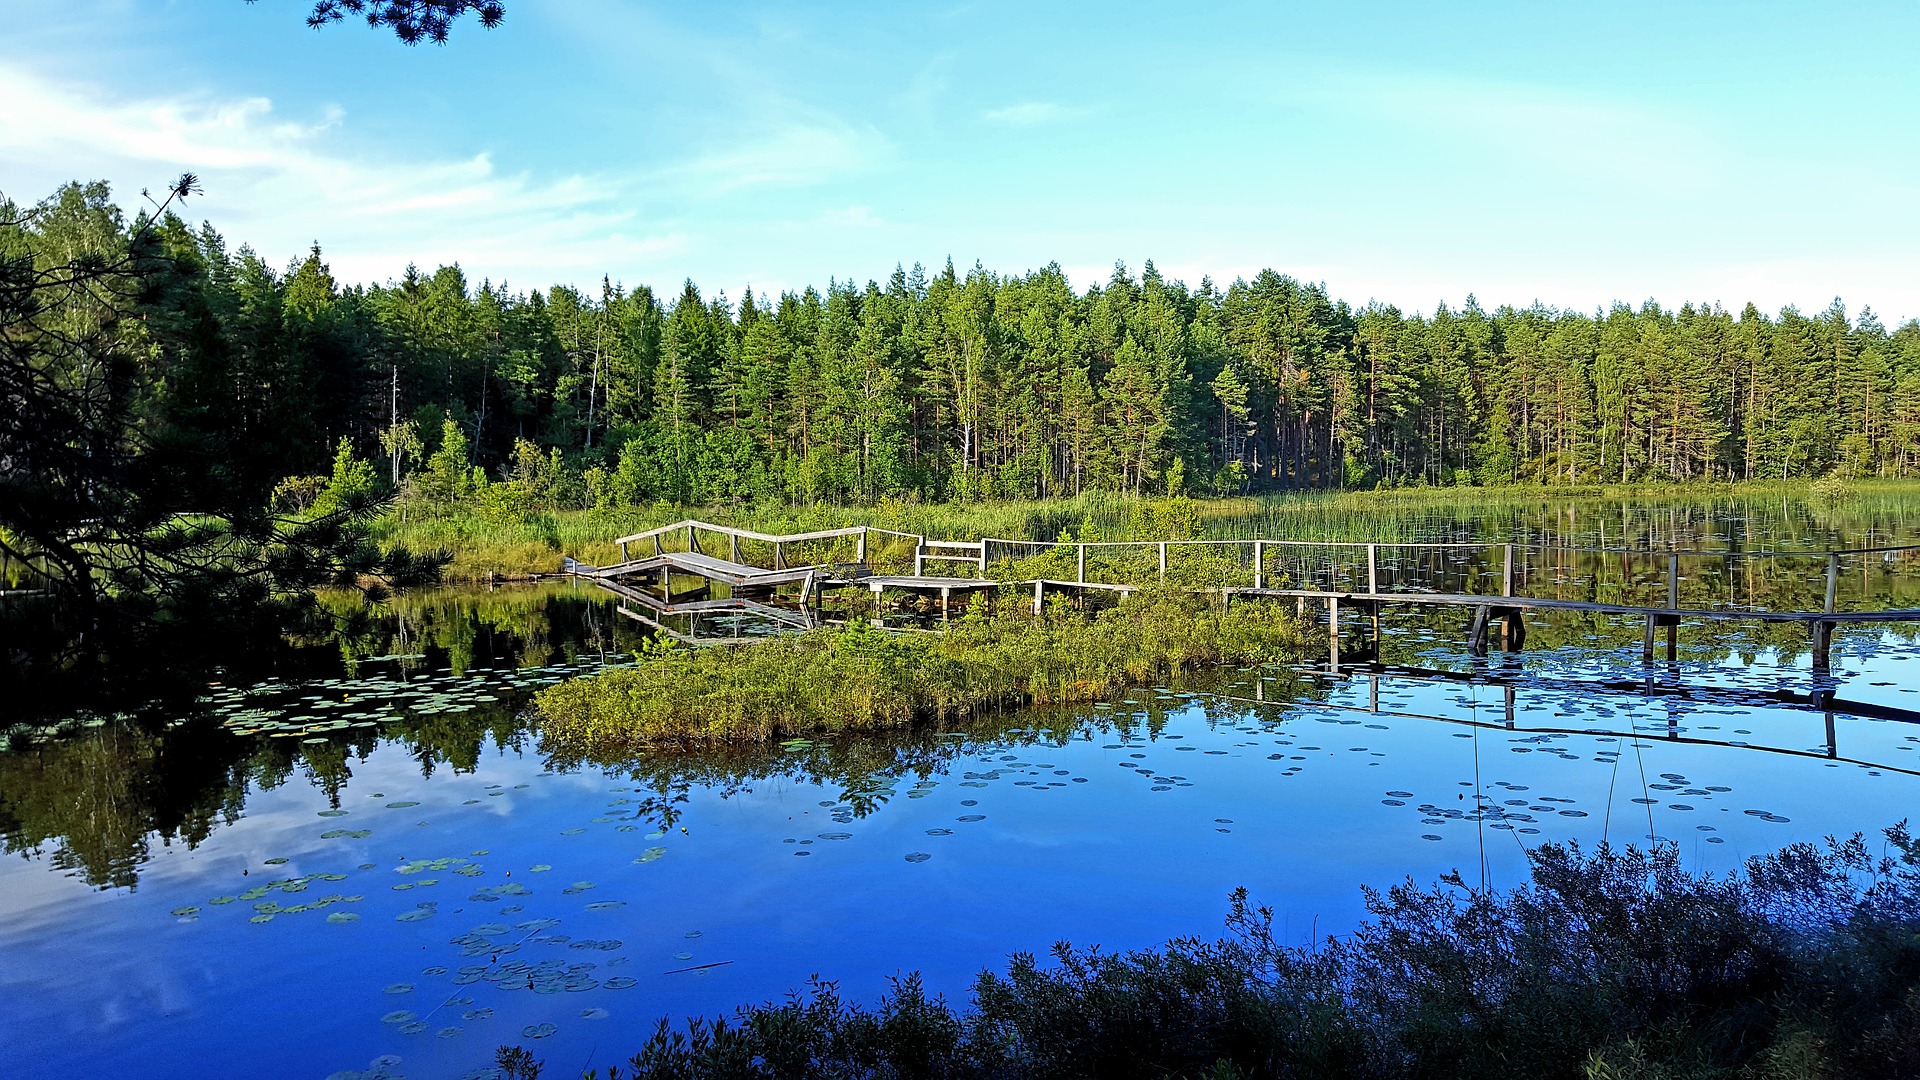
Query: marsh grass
[
  {"x": 1610, "y": 964},
  {"x": 485, "y": 543},
  {"x": 860, "y": 678}
]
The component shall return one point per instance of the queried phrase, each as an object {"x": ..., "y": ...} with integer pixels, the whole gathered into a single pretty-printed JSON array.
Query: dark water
[{"x": 389, "y": 874}]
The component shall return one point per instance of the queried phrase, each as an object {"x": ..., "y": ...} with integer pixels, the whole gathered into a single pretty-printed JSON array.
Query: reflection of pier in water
[
  {"x": 1343, "y": 578},
  {"x": 1680, "y": 699}
]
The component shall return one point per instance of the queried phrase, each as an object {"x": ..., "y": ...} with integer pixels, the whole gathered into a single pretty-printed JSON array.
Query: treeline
[{"x": 952, "y": 386}]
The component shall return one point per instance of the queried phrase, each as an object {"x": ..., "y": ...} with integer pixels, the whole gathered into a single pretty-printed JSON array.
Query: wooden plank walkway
[{"x": 1338, "y": 562}]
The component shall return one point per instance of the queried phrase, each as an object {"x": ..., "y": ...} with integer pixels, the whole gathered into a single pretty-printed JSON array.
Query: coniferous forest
[{"x": 951, "y": 384}]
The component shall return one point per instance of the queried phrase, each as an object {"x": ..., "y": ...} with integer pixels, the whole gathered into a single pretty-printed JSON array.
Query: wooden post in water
[
  {"x": 1163, "y": 560},
  {"x": 1259, "y": 565},
  {"x": 1646, "y": 646},
  {"x": 1506, "y": 573},
  {"x": 1833, "y": 579},
  {"x": 1333, "y": 633},
  {"x": 1673, "y": 602},
  {"x": 1822, "y": 645}
]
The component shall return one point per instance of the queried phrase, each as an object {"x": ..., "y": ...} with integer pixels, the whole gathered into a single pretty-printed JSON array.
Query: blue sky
[{"x": 1411, "y": 153}]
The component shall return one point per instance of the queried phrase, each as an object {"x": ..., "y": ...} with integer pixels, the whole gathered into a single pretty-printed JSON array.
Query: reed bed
[
  {"x": 859, "y": 678},
  {"x": 486, "y": 544}
]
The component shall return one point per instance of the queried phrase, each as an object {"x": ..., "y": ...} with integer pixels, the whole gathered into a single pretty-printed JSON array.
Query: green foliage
[
  {"x": 860, "y": 678},
  {"x": 1607, "y": 964}
]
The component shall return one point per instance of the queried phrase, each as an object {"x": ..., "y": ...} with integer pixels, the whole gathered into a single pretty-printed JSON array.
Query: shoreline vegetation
[
  {"x": 488, "y": 544},
  {"x": 1609, "y": 964},
  {"x": 858, "y": 678}
]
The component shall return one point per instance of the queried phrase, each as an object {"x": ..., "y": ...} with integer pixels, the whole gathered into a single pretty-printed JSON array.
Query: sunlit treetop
[{"x": 410, "y": 20}]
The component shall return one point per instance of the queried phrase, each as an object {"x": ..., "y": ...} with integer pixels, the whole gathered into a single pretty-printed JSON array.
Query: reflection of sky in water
[{"x": 552, "y": 903}]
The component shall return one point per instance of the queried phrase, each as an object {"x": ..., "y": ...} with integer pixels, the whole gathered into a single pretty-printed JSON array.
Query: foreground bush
[
  {"x": 860, "y": 678},
  {"x": 1609, "y": 965}
]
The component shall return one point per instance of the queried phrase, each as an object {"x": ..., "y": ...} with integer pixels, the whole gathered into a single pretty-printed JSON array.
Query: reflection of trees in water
[
  {"x": 461, "y": 629},
  {"x": 102, "y": 798}
]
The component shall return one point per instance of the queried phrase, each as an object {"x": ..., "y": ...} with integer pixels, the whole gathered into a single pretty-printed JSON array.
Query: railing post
[
  {"x": 1259, "y": 565},
  {"x": 1373, "y": 568},
  {"x": 779, "y": 555},
  {"x": 693, "y": 543},
  {"x": 1081, "y": 573},
  {"x": 983, "y": 558},
  {"x": 1506, "y": 574},
  {"x": 1163, "y": 560},
  {"x": 860, "y": 547},
  {"x": 733, "y": 546},
  {"x": 623, "y": 551},
  {"x": 920, "y": 558},
  {"x": 1833, "y": 579}
]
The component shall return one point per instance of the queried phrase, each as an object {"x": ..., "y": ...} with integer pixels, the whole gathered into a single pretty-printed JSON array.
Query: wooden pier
[{"x": 1345, "y": 578}]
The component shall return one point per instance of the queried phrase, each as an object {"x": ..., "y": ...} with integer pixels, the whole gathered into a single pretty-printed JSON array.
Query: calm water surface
[{"x": 419, "y": 883}]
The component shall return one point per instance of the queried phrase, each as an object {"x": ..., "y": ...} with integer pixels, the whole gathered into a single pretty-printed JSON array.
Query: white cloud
[
  {"x": 1032, "y": 114},
  {"x": 279, "y": 183},
  {"x": 803, "y": 153}
]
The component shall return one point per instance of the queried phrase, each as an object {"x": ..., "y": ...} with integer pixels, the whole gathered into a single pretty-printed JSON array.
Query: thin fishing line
[
  {"x": 1606, "y": 824},
  {"x": 1634, "y": 727},
  {"x": 1479, "y": 806}
]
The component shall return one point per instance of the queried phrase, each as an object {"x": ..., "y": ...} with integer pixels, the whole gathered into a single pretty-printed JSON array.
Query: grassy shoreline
[
  {"x": 494, "y": 547},
  {"x": 860, "y": 678}
]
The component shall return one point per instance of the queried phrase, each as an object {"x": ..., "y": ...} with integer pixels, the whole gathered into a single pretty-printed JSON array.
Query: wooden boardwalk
[{"x": 846, "y": 559}]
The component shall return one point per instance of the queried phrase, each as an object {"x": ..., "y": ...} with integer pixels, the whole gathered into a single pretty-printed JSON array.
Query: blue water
[{"x": 564, "y": 898}]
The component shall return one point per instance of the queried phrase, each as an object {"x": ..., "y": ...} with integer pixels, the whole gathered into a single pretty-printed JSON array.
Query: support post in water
[
  {"x": 1477, "y": 633},
  {"x": 1833, "y": 579},
  {"x": 1506, "y": 573},
  {"x": 1333, "y": 633},
  {"x": 1673, "y": 604},
  {"x": 1646, "y": 645},
  {"x": 1822, "y": 645}
]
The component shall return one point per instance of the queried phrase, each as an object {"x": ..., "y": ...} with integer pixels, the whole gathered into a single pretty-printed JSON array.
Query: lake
[{"x": 411, "y": 881}]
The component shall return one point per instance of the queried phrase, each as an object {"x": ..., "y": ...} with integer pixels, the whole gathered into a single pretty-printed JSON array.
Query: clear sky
[{"x": 1573, "y": 153}]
